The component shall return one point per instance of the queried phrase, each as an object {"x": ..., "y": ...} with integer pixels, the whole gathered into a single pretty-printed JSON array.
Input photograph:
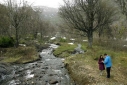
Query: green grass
[{"x": 65, "y": 50}]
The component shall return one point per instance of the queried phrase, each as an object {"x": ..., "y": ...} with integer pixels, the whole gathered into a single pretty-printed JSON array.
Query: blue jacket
[{"x": 107, "y": 61}]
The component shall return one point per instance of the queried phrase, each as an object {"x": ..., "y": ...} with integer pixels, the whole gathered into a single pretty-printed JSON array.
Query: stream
[{"x": 47, "y": 71}]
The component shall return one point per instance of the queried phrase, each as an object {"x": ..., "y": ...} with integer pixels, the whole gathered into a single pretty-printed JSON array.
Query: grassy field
[
  {"x": 84, "y": 70},
  {"x": 18, "y": 55}
]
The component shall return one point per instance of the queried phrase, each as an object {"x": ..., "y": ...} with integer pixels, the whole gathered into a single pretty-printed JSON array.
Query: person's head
[
  {"x": 101, "y": 56},
  {"x": 105, "y": 55}
]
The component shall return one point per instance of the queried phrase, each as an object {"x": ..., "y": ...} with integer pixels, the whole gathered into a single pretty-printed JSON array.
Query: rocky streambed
[{"x": 47, "y": 71}]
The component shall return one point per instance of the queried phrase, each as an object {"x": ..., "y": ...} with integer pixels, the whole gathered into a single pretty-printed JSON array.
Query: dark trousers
[{"x": 108, "y": 71}]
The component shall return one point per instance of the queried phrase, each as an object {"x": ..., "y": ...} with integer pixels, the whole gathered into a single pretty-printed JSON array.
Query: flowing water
[{"x": 47, "y": 71}]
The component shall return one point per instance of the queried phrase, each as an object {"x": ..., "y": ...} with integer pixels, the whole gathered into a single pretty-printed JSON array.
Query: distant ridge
[{"x": 49, "y": 13}]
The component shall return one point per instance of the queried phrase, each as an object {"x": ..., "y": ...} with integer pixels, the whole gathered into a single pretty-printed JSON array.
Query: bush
[
  {"x": 6, "y": 42},
  {"x": 63, "y": 40}
]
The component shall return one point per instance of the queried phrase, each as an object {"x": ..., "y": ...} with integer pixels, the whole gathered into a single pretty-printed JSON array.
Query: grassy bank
[
  {"x": 83, "y": 68},
  {"x": 18, "y": 55},
  {"x": 64, "y": 50}
]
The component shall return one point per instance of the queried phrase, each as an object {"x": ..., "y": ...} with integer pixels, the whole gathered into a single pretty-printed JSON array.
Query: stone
[{"x": 53, "y": 81}]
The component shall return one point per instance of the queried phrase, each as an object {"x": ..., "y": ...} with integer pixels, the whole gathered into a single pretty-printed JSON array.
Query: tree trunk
[
  {"x": 17, "y": 38},
  {"x": 90, "y": 38},
  {"x": 99, "y": 35},
  {"x": 35, "y": 35}
]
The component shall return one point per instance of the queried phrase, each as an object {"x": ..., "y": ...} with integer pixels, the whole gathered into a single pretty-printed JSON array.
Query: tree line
[{"x": 20, "y": 20}]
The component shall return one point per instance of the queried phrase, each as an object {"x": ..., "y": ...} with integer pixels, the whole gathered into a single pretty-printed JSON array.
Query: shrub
[
  {"x": 63, "y": 40},
  {"x": 6, "y": 42}
]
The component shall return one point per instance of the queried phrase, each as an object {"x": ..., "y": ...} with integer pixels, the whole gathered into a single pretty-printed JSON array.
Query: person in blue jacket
[{"x": 108, "y": 63}]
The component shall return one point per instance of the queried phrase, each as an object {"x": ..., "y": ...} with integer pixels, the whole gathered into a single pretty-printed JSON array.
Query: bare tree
[
  {"x": 123, "y": 5},
  {"x": 108, "y": 12},
  {"x": 17, "y": 14},
  {"x": 122, "y": 30},
  {"x": 87, "y": 15},
  {"x": 4, "y": 21}
]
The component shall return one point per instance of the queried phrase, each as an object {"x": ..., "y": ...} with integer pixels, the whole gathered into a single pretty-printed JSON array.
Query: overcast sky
[{"x": 49, "y": 3}]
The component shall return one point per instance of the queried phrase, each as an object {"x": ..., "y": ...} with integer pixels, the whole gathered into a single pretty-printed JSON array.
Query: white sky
[{"x": 49, "y": 3}]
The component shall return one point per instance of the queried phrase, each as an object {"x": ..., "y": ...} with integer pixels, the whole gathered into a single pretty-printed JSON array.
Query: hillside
[{"x": 51, "y": 14}]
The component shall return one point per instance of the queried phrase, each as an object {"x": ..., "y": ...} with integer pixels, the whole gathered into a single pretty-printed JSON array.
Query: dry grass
[
  {"x": 19, "y": 55},
  {"x": 84, "y": 69}
]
